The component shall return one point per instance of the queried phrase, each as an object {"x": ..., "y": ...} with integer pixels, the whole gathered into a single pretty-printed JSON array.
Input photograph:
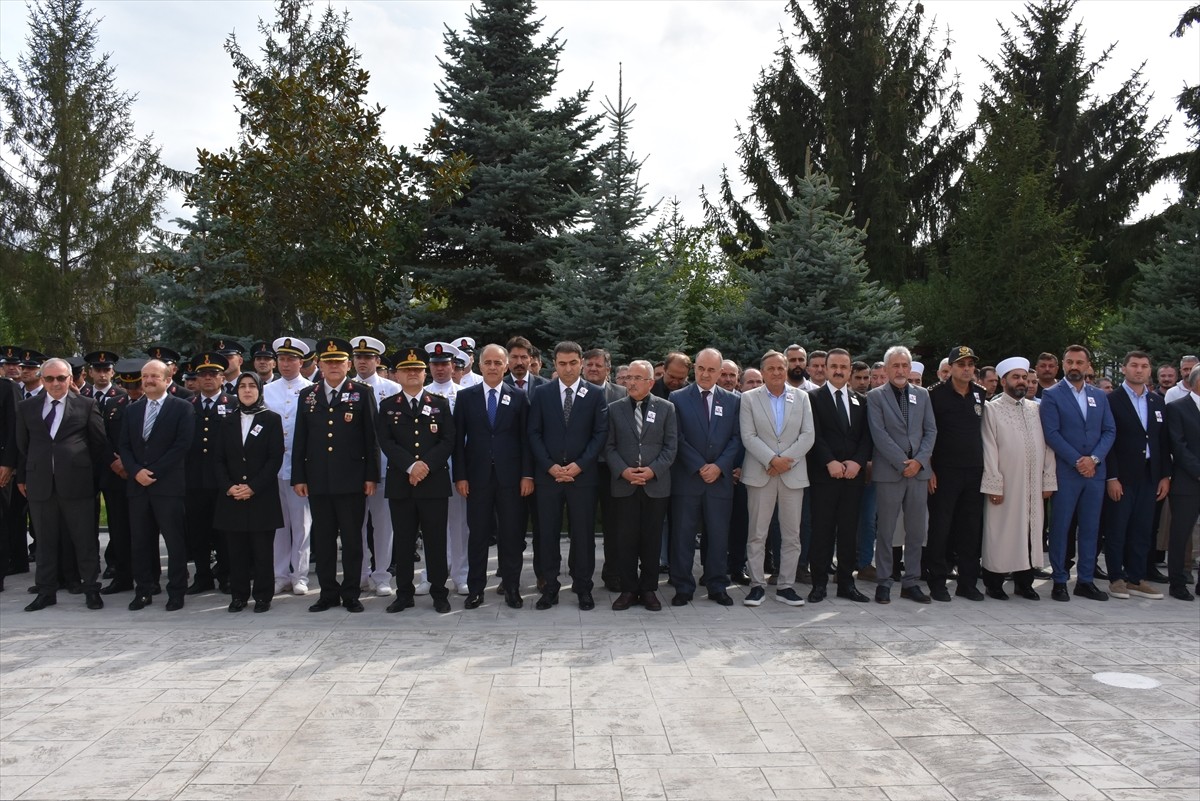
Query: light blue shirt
[
  {"x": 1080, "y": 396},
  {"x": 778, "y": 408},
  {"x": 1141, "y": 405}
]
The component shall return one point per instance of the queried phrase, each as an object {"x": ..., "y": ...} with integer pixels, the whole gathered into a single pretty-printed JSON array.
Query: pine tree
[
  {"x": 532, "y": 168},
  {"x": 1163, "y": 316},
  {"x": 1014, "y": 281},
  {"x": 79, "y": 190},
  {"x": 1185, "y": 166},
  {"x": 812, "y": 286},
  {"x": 876, "y": 113},
  {"x": 609, "y": 289}
]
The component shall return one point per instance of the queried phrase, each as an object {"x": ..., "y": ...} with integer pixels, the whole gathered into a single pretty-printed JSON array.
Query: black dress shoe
[
  {"x": 1090, "y": 591},
  {"x": 223, "y": 586},
  {"x": 817, "y": 594},
  {"x": 1059, "y": 593},
  {"x": 513, "y": 599},
  {"x": 852, "y": 593},
  {"x": 914, "y": 593},
  {"x": 1042, "y": 573},
  {"x": 156, "y": 589},
  {"x": 998, "y": 593},
  {"x": 174, "y": 604},
  {"x": 117, "y": 586},
  {"x": 325, "y": 603},
  {"x": 740, "y": 578},
  {"x": 109, "y": 573},
  {"x": 971, "y": 593},
  {"x": 1182, "y": 594},
  {"x": 940, "y": 594},
  {"x": 441, "y": 605},
  {"x": 237, "y": 605},
  {"x": 474, "y": 600},
  {"x": 352, "y": 604},
  {"x": 883, "y": 595},
  {"x": 94, "y": 601},
  {"x": 649, "y": 601},
  {"x": 76, "y": 588},
  {"x": 140, "y": 602},
  {"x": 681, "y": 599},
  {"x": 199, "y": 587},
  {"x": 41, "y": 602},
  {"x": 401, "y": 603},
  {"x": 622, "y": 602},
  {"x": 547, "y": 600},
  {"x": 1100, "y": 573},
  {"x": 586, "y": 602},
  {"x": 262, "y": 605},
  {"x": 1027, "y": 592},
  {"x": 1155, "y": 575},
  {"x": 721, "y": 597}
]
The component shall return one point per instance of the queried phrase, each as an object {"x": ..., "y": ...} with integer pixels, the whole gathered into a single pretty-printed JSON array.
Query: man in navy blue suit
[
  {"x": 155, "y": 437},
  {"x": 710, "y": 447},
  {"x": 568, "y": 427},
  {"x": 1078, "y": 425},
  {"x": 493, "y": 470}
]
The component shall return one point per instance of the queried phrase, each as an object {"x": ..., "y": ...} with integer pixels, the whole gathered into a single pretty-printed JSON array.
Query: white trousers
[
  {"x": 292, "y": 541},
  {"x": 379, "y": 515}
]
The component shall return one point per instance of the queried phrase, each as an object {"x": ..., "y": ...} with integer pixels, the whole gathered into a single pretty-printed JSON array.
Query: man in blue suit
[
  {"x": 155, "y": 437},
  {"x": 493, "y": 470},
  {"x": 710, "y": 447},
  {"x": 1078, "y": 425},
  {"x": 568, "y": 427}
]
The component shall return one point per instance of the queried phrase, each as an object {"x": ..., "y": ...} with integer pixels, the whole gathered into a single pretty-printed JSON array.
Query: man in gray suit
[
  {"x": 642, "y": 439},
  {"x": 777, "y": 432},
  {"x": 903, "y": 432}
]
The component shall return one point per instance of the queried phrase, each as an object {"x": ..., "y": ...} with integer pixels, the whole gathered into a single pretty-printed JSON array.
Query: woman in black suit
[{"x": 249, "y": 454}]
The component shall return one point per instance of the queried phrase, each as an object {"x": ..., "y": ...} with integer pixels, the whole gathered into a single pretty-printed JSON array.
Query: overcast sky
[{"x": 689, "y": 66}]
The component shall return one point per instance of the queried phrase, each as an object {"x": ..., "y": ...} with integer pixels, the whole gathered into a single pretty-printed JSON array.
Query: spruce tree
[
  {"x": 488, "y": 253},
  {"x": 79, "y": 189},
  {"x": 812, "y": 286}
]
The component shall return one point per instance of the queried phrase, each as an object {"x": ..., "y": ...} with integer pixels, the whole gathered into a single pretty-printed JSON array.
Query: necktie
[
  {"x": 207, "y": 405},
  {"x": 707, "y": 412},
  {"x": 843, "y": 419},
  {"x": 151, "y": 416},
  {"x": 50, "y": 417},
  {"x": 99, "y": 401},
  {"x": 492, "y": 407},
  {"x": 413, "y": 403},
  {"x": 904, "y": 409},
  {"x": 638, "y": 421},
  {"x": 332, "y": 392},
  {"x": 567, "y": 407},
  {"x": 520, "y": 383},
  {"x": 28, "y": 395}
]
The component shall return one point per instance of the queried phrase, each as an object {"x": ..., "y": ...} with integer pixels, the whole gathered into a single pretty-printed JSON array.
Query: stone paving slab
[{"x": 991, "y": 700}]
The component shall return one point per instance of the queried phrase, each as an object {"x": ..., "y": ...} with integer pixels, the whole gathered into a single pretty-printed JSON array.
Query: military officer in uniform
[
  {"x": 441, "y": 356},
  {"x": 292, "y": 544},
  {"x": 466, "y": 346},
  {"x": 367, "y": 353},
  {"x": 262, "y": 356},
  {"x": 113, "y": 484},
  {"x": 171, "y": 358},
  {"x": 416, "y": 433},
  {"x": 211, "y": 405},
  {"x": 233, "y": 351},
  {"x": 335, "y": 464},
  {"x": 101, "y": 366}
]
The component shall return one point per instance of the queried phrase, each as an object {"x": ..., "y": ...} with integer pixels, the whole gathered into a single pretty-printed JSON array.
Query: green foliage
[
  {"x": 1163, "y": 317},
  {"x": 812, "y": 286},
  {"x": 1185, "y": 166},
  {"x": 876, "y": 113},
  {"x": 1013, "y": 282},
  {"x": 79, "y": 190}
]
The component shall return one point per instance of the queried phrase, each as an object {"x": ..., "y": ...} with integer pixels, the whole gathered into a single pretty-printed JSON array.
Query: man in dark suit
[
  {"x": 710, "y": 449},
  {"x": 212, "y": 405},
  {"x": 1183, "y": 427},
  {"x": 597, "y": 365},
  {"x": 1139, "y": 474},
  {"x": 335, "y": 464},
  {"x": 520, "y": 359},
  {"x": 154, "y": 443},
  {"x": 568, "y": 426},
  {"x": 1078, "y": 425},
  {"x": 8, "y": 461},
  {"x": 493, "y": 470},
  {"x": 60, "y": 441},
  {"x": 837, "y": 468},
  {"x": 114, "y": 484}
]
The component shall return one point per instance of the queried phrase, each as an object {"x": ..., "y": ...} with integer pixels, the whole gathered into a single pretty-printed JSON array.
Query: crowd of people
[{"x": 407, "y": 465}]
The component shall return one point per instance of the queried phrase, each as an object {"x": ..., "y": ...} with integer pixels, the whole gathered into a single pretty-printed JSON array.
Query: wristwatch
[{"x": 1095, "y": 459}]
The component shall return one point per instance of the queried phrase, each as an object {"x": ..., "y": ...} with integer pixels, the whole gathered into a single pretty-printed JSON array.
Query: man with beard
[{"x": 797, "y": 368}]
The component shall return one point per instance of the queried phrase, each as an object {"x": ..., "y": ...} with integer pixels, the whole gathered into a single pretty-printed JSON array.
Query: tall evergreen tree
[
  {"x": 1185, "y": 166},
  {"x": 876, "y": 113},
  {"x": 812, "y": 285},
  {"x": 532, "y": 168},
  {"x": 1104, "y": 146},
  {"x": 1163, "y": 316},
  {"x": 609, "y": 289},
  {"x": 78, "y": 192}
]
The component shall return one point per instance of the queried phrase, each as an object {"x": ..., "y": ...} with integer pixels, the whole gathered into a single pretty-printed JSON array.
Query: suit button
[
  {"x": 331, "y": 435},
  {"x": 330, "y": 422},
  {"x": 331, "y": 449},
  {"x": 206, "y": 450},
  {"x": 245, "y": 479}
]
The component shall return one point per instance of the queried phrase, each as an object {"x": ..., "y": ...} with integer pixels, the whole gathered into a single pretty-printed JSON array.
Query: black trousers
[
  {"x": 119, "y": 552},
  {"x": 580, "y": 501},
  {"x": 150, "y": 515},
  {"x": 609, "y": 572},
  {"x": 251, "y": 556},
  {"x": 335, "y": 516},
  {"x": 835, "y": 509},
  {"x": 203, "y": 539},
  {"x": 16, "y": 530},
  {"x": 640, "y": 521},
  {"x": 66, "y": 520},
  {"x": 1184, "y": 510},
  {"x": 427, "y": 515},
  {"x": 494, "y": 512},
  {"x": 739, "y": 530},
  {"x": 955, "y": 522}
]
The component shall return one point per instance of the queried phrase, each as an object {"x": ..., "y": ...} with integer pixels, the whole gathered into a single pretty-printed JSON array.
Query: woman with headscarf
[{"x": 249, "y": 454}]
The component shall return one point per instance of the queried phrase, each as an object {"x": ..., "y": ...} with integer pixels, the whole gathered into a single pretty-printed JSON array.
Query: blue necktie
[
  {"x": 492, "y": 408},
  {"x": 151, "y": 416}
]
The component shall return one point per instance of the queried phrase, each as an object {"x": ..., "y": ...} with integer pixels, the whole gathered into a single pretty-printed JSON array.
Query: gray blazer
[
  {"x": 656, "y": 448},
  {"x": 762, "y": 444},
  {"x": 892, "y": 440}
]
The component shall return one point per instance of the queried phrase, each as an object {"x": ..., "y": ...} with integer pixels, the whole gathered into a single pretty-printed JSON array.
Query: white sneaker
[
  {"x": 300, "y": 588},
  {"x": 422, "y": 588},
  {"x": 282, "y": 586},
  {"x": 384, "y": 590},
  {"x": 366, "y": 585},
  {"x": 462, "y": 588}
]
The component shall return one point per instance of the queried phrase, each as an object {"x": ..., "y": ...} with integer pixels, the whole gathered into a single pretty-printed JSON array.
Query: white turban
[
  {"x": 918, "y": 368},
  {"x": 1010, "y": 364}
]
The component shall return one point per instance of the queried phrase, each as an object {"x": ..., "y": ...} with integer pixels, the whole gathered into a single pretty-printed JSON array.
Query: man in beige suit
[{"x": 777, "y": 432}]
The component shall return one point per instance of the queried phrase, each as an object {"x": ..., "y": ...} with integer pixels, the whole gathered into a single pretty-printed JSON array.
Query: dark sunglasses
[{"x": 50, "y": 379}]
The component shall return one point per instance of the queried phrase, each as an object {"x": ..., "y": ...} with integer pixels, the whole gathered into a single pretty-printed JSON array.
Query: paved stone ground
[{"x": 991, "y": 700}]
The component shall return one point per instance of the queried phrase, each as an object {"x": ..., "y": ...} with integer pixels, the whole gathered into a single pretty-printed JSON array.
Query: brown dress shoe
[
  {"x": 623, "y": 602},
  {"x": 651, "y": 602}
]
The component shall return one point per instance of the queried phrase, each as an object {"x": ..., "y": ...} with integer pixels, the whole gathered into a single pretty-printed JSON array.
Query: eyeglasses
[
  {"x": 637, "y": 378},
  {"x": 51, "y": 379}
]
